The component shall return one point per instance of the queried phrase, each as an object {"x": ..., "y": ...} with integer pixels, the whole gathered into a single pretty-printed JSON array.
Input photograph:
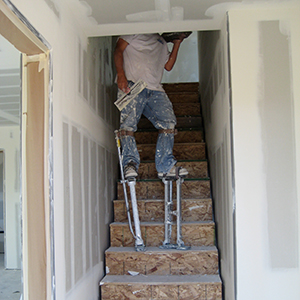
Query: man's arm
[
  {"x": 119, "y": 61},
  {"x": 173, "y": 55}
]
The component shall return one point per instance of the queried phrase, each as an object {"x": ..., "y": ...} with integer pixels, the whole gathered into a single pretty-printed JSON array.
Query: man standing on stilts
[{"x": 144, "y": 57}]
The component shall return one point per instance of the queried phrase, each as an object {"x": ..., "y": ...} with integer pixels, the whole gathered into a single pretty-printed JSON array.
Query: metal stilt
[
  {"x": 139, "y": 243},
  {"x": 169, "y": 213}
]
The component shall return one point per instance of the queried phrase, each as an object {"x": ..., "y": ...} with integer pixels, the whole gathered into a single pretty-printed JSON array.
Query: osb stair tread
[
  {"x": 185, "y": 121},
  {"x": 187, "y": 136},
  {"x": 153, "y": 210},
  {"x": 187, "y": 97},
  {"x": 180, "y": 87},
  {"x": 180, "y": 151},
  {"x": 160, "y": 279},
  {"x": 196, "y": 233},
  {"x": 157, "y": 250},
  {"x": 154, "y": 189},
  {"x": 185, "y": 180},
  {"x": 192, "y": 109},
  {"x": 196, "y": 169},
  {"x": 162, "y": 200},
  {"x": 162, "y": 223},
  {"x": 193, "y": 287}
]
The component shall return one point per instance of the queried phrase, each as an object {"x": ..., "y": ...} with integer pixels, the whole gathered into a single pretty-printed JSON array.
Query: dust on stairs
[{"x": 167, "y": 274}]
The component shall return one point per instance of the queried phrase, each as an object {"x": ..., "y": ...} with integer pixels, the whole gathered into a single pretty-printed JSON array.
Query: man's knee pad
[
  {"x": 172, "y": 131},
  {"x": 122, "y": 132}
]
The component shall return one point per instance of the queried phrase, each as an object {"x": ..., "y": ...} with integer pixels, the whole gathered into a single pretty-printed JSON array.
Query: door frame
[{"x": 36, "y": 145}]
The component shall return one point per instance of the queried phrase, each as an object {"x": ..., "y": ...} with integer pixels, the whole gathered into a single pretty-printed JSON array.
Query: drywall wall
[
  {"x": 215, "y": 101},
  {"x": 10, "y": 145},
  {"x": 1, "y": 190},
  {"x": 264, "y": 51},
  {"x": 90, "y": 170},
  {"x": 85, "y": 165}
]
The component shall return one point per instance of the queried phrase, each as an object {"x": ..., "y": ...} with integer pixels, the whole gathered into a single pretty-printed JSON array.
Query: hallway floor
[{"x": 10, "y": 283}]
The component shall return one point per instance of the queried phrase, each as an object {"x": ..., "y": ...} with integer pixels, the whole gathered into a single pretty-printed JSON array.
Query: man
[{"x": 145, "y": 56}]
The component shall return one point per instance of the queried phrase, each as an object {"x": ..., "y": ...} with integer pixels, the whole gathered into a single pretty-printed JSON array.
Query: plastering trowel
[{"x": 125, "y": 99}]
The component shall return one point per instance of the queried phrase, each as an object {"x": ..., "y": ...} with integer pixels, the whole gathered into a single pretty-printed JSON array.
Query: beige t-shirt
[{"x": 145, "y": 58}]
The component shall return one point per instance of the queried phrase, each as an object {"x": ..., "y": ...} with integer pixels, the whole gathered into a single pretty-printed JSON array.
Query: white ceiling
[{"x": 108, "y": 17}]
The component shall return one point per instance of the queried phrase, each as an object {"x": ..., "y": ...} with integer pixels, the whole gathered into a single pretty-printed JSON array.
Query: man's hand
[
  {"x": 179, "y": 39},
  {"x": 123, "y": 83}
]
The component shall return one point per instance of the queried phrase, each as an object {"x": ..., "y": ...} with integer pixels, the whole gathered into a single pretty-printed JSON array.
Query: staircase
[{"x": 167, "y": 274}]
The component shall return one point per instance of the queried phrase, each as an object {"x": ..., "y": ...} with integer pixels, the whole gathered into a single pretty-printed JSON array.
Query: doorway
[
  {"x": 37, "y": 236},
  {"x": 10, "y": 208}
]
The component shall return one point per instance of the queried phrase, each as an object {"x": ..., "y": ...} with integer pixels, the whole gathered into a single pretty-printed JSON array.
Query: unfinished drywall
[
  {"x": 10, "y": 145},
  {"x": 1, "y": 193},
  {"x": 90, "y": 169},
  {"x": 215, "y": 101},
  {"x": 90, "y": 180},
  {"x": 264, "y": 51}
]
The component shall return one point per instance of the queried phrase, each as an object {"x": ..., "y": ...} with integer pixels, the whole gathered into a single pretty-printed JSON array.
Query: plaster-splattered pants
[{"x": 157, "y": 107}]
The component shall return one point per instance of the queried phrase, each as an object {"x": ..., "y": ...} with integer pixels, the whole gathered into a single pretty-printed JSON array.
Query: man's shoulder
[{"x": 127, "y": 38}]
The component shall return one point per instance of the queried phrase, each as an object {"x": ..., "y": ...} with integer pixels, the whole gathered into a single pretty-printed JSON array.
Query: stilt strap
[
  {"x": 174, "y": 131},
  {"x": 123, "y": 132}
]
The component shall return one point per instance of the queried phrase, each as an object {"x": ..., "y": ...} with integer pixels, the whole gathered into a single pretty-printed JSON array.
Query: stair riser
[
  {"x": 180, "y": 151},
  {"x": 181, "y": 87},
  {"x": 192, "y": 210},
  {"x": 180, "y": 137},
  {"x": 156, "y": 190},
  {"x": 190, "y": 109},
  {"x": 187, "y": 97},
  {"x": 193, "y": 291},
  {"x": 165, "y": 263},
  {"x": 197, "y": 169},
  {"x": 182, "y": 122},
  {"x": 153, "y": 235}
]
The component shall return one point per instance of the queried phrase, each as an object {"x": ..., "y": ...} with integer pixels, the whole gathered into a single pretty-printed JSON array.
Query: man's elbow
[{"x": 168, "y": 68}]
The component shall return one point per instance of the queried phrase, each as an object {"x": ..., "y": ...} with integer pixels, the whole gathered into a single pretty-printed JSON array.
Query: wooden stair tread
[
  {"x": 196, "y": 233},
  {"x": 196, "y": 169},
  {"x": 162, "y": 223},
  {"x": 162, "y": 200},
  {"x": 180, "y": 87},
  {"x": 188, "y": 97},
  {"x": 186, "y": 287},
  {"x": 186, "y": 121},
  {"x": 180, "y": 151},
  {"x": 154, "y": 189},
  {"x": 160, "y": 279},
  {"x": 185, "y": 180},
  {"x": 153, "y": 210},
  {"x": 155, "y": 261},
  {"x": 150, "y": 250},
  {"x": 183, "y": 136}
]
